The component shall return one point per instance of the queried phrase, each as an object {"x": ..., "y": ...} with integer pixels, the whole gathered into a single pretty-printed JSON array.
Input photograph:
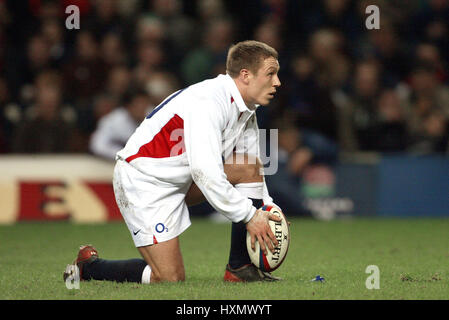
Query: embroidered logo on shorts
[{"x": 160, "y": 228}]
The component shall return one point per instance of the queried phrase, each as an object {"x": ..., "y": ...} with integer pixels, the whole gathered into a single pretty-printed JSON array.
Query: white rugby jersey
[{"x": 187, "y": 137}]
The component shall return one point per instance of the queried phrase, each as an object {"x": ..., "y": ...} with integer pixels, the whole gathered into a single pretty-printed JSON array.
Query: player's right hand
[{"x": 259, "y": 229}]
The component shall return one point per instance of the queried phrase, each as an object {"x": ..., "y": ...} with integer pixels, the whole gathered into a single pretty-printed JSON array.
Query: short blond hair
[{"x": 249, "y": 55}]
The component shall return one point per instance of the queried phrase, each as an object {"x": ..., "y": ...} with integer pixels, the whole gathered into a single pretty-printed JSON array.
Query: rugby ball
[{"x": 281, "y": 231}]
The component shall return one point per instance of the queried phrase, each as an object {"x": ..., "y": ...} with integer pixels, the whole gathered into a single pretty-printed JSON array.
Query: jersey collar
[{"x": 236, "y": 96}]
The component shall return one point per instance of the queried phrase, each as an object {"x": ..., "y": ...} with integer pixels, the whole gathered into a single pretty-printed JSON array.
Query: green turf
[{"x": 412, "y": 255}]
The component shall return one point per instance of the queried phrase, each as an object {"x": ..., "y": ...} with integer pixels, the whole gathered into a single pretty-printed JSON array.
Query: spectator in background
[
  {"x": 431, "y": 24},
  {"x": 37, "y": 59},
  {"x": 430, "y": 135},
  {"x": 46, "y": 9},
  {"x": 179, "y": 28},
  {"x": 269, "y": 32},
  {"x": 136, "y": 43},
  {"x": 337, "y": 15},
  {"x": 425, "y": 84},
  {"x": 314, "y": 76},
  {"x": 428, "y": 112},
  {"x": 128, "y": 8},
  {"x": 357, "y": 110},
  {"x": 53, "y": 34},
  {"x": 310, "y": 99},
  {"x": 331, "y": 65},
  {"x": 293, "y": 159},
  {"x": 428, "y": 53},
  {"x": 112, "y": 50},
  {"x": 5, "y": 23},
  {"x": 373, "y": 117},
  {"x": 118, "y": 81},
  {"x": 47, "y": 78},
  {"x": 46, "y": 131},
  {"x": 151, "y": 33},
  {"x": 149, "y": 28},
  {"x": 9, "y": 116},
  {"x": 115, "y": 128},
  {"x": 104, "y": 18},
  {"x": 84, "y": 76},
  {"x": 103, "y": 104},
  {"x": 385, "y": 45},
  {"x": 209, "y": 59},
  {"x": 389, "y": 131},
  {"x": 85, "y": 73},
  {"x": 160, "y": 85},
  {"x": 209, "y": 10},
  {"x": 275, "y": 11},
  {"x": 150, "y": 59}
]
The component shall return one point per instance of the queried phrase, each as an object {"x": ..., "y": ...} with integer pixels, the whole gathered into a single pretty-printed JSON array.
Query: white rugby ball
[{"x": 281, "y": 231}]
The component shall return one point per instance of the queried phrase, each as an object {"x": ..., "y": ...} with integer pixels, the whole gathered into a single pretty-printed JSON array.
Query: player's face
[{"x": 263, "y": 84}]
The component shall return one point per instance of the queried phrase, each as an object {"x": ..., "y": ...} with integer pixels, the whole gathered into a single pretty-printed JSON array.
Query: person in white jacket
[
  {"x": 200, "y": 143},
  {"x": 115, "y": 128}
]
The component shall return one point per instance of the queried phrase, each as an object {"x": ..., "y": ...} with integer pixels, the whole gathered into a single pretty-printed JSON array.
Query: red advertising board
[{"x": 56, "y": 188}]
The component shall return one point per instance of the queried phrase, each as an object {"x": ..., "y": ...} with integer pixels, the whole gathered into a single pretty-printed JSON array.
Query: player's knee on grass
[{"x": 165, "y": 261}]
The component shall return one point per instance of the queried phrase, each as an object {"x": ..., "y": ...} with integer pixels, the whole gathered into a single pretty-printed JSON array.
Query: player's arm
[
  {"x": 249, "y": 144},
  {"x": 203, "y": 126}
]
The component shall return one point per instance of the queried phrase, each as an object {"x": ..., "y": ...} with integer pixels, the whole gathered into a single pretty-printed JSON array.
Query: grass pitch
[{"x": 412, "y": 256}]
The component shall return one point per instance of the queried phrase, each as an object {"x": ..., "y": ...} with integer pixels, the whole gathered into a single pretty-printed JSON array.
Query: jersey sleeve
[
  {"x": 203, "y": 125},
  {"x": 249, "y": 143}
]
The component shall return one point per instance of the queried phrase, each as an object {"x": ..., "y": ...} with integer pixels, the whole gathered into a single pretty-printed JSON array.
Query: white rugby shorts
[{"x": 153, "y": 210}]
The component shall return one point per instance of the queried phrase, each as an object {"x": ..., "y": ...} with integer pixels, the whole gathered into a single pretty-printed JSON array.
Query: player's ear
[{"x": 245, "y": 75}]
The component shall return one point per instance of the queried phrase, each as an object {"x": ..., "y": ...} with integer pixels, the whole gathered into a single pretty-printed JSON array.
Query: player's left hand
[
  {"x": 259, "y": 229},
  {"x": 272, "y": 204}
]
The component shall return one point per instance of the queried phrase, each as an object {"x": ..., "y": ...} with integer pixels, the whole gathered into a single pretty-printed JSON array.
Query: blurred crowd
[{"x": 344, "y": 87}]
